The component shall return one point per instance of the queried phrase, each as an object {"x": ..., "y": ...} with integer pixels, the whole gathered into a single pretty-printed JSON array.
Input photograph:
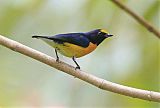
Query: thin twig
[
  {"x": 140, "y": 19},
  {"x": 98, "y": 82}
]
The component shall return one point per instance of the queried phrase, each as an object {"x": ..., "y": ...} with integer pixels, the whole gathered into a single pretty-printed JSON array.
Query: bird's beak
[{"x": 108, "y": 35}]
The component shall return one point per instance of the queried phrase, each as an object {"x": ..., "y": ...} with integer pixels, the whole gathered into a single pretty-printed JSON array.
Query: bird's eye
[{"x": 99, "y": 33}]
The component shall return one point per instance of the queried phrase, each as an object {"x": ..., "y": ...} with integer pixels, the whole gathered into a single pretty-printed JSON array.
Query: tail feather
[
  {"x": 49, "y": 38},
  {"x": 40, "y": 37},
  {"x": 46, "y": 37}
]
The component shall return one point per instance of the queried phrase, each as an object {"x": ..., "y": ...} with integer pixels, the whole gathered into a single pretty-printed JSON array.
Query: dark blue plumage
[{"x": 79, "y": 39}]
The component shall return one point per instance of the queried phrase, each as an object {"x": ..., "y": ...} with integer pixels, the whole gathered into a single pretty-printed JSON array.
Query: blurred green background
[{"x": 130, "y": 58}]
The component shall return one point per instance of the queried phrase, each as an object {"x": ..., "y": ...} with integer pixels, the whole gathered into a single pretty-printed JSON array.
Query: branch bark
[
  {"x": 140, "y": 19},
  {"x": 93, "y": 80}
]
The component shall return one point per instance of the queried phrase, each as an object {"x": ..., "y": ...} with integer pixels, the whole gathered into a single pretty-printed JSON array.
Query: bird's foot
[
  {"x": 78, "y": 67},
  {"x": 57, "y": 60}
]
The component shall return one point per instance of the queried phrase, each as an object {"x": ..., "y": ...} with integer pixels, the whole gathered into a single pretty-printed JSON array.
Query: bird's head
[{"x": 98, "y": 35}]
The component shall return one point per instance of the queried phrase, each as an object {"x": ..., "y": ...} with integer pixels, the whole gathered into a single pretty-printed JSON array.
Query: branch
[
  {"x": 98, "y": 82},
  {"x": 140, "y": 19}
]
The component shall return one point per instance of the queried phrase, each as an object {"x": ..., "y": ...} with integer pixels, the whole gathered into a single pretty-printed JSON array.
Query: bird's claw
[
  {"x": 77, "y": 68},
  {"x": 57, "y": 60}
]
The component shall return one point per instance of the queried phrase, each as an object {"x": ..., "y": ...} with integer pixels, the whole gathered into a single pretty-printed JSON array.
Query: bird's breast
[{"x": 71, "y": 50}]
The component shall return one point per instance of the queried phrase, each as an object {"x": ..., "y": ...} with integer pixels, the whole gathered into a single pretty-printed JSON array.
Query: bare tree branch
[
  {"x": 140, "y": 19},
  {"x": 98, "y": 82}
]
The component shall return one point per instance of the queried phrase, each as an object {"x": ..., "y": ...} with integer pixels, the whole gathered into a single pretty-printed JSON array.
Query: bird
[{"x": 75, "y": 45}]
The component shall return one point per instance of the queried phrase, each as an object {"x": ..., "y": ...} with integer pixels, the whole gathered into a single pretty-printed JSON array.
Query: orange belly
[{"x": 71, "y": 50}]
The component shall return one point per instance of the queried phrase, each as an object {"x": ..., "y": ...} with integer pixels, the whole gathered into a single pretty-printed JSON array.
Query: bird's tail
[{"x": 46, "y": 37}]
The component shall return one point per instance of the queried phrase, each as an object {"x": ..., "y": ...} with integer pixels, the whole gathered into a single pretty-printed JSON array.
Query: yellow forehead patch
[{"x": 104, "y": 31}]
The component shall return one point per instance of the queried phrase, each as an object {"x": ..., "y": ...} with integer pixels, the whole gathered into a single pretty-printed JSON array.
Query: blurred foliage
[{"x": 130, "y": 58}]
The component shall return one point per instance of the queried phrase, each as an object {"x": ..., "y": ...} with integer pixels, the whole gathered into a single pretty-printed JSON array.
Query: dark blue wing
[{"x": 75, "y": 38}]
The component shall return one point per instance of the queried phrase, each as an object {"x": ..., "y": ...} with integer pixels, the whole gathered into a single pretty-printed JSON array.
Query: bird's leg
[
  {"x": 57, "y": 58},
  {"x": 78, "y": 67}
]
